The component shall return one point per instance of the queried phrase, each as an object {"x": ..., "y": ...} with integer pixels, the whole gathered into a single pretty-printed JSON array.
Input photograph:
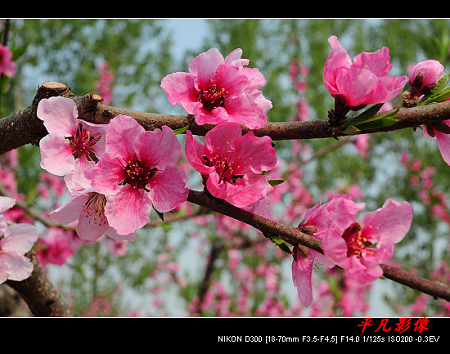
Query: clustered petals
[{"x": 218, "y": 90}]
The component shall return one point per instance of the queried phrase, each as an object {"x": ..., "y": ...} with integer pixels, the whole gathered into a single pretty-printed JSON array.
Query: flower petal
[{"x": 59, "y": 115}]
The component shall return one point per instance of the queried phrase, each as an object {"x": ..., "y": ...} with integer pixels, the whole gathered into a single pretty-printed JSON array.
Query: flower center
[
  {"x": 356, "y": 242},
  {"x": 138, "y": 174},
  {"x": 211, "y": 97},
  {"x": 82, "y": 144},
  {"x": 227, "y": 169},
  {"x": 95, "y": 207}
]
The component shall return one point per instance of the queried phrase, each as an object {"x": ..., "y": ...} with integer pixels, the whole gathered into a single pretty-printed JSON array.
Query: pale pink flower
[
  {"x": 424, "y": 76},
  {"x": 7, "y": 66},
  {"x": 350, "y": 245},
  {"x": 15, "y": 241},
  {"x": 317, "y": 220},
  {"x": 72, "y": 145},
  {"x": 363, "y": 82},
  {"x": 88, "y": 207},
  {"x": 219, "y": 90},
  {"x": 138, "y": 171},
  {"x": 232, "y": 164}
]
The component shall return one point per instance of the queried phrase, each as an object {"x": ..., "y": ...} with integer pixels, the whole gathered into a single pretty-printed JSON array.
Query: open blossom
[
  {"x": 232, "y": 164},
  {"x": 7, "y": 66},
  {"x": 72, "y": 145},
  {"x": 219, "y": 90},
  {"x": 350, "y": 244},
  {"x": 316, "y": 222},
  {"x": 88, "y": 207},
  {"x": 136, "y": 172},
  {"x": 15, "y": 241},
  {"x": 363, "y": 81}
]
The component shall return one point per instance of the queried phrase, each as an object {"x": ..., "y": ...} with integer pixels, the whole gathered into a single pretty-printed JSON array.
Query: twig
[
  {"x": 294, "y": 236},
  {"x": 24, "y": 127},
  {"x": 40, "y": 295}
]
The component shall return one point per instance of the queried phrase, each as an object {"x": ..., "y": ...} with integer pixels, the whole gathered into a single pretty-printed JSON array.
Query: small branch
[
  {"x": 294, "y": 236},
  {"x": 40, "y": 295},
  {"x": 24, "y": 127}
]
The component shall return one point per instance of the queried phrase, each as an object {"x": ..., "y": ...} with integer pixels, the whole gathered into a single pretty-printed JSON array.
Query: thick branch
[
  {"x": 24, "y": 127},
  {"x": 294, "y": 236},
  {"x": 40, "y": 295}
]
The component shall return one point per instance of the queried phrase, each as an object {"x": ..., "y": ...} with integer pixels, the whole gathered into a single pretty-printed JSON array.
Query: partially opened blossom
[
  {"x": 72, "y": 144},
  {"x": 424, "y": 76},
  {"x": 219, "y": 90},
  {"x": 361, "y": 82},
  {"x": 7, "y": 65},
  {"x": 15, "y": 241},
  {"x": 137, "y": 172},
  {"x": 232, "y": 165},
  {"x": 339, "y": 212},
  {"x": 353, "y": 248}
]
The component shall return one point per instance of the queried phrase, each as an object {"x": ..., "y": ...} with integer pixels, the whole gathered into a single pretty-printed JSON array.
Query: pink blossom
[
  {"x": 138, "y": 171},
  {"x": 15, "y": 241},
  {"x": 88, "y": 208},
  {"x": 232, "y": 164},
  {"x": 7, "y": 66},
  {"x": 363, "y": 82},
  {"x": 219, "y": 90},
  {"x": 349, "y": 245},
  {"x": 71, "y": 145},
  {"x": 338, "y": 212},
  {"x": 424, "y": 76},
  {"x": 55, "y": 248},
  {"x": 362, "y": 144}
]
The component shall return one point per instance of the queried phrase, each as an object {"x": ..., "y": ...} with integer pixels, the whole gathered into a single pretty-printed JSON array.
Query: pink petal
[
  {"x": 5, "y": 268},
  {"x": 205, "y": 65},
  {"x": 158, "y": 148},
  {"x": 443, "y": 141},
  {"x": 335, "y": 248},
  {"x": 301, "y": 275},
  {"x": 121, "y": 130},
  {"x": 168, "y": 188},
  {"x": 21, "y": 266},
  {"x": 106, "y": 175},
  {"x": 377, "y": 62},
  {"x": 355, "y": 84},
  {"x": 56, "y": 154},
  {"x": 194, "y": 153},
  {"x": 21, "y": 238},
  {"x": 255, "y": 189},
  {"x": 180, "y": 89},
  {"x": 59, "y": 115},
  {"x": 392, "y": 221},
  {"x": 128, "y": 210},
  {"x": 6, "y": 203}
]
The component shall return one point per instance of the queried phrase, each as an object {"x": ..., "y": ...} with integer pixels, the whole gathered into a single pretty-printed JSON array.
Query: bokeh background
[{"x": 203, "y": 264}]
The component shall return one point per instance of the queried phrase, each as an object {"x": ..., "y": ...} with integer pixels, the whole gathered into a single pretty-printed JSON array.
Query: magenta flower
[
  {"x": 316, "y": 222},
  {"x": 137, "y": 172},
  {"x": 424, "y": 76},
  {"x": 363, "y": 82},
  {"x": 15, "y": 241},
  {"x": 232, "y": 164},
  {"x": 219, "y": 90},
  {"x": 7, "y": 66},
  {"x": 71, "y": 144},
  {"x": 350, "y": 245}
]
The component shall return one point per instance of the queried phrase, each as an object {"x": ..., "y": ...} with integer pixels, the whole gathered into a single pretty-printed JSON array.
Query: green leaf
[
  {"x": 181, "y": 130},
  {"x": 350, "y": 130},
  {"x": 275, "y": 182},
  {"x": 160, "y": 215},
  {"x": 365, "y": 116},
  {"x": 283, "y": 245},
  {"x": 435, "y": 95}
]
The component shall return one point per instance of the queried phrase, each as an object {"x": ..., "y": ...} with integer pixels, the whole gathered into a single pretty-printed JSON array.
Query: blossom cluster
[{"x": 116, "y": 173}]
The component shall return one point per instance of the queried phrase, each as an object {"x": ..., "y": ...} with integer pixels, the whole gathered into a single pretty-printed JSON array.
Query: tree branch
[
  {"x": 40, "y": 295},
  {"x": 24, "y": 127},
  {"x": 294, "y": 237}
]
